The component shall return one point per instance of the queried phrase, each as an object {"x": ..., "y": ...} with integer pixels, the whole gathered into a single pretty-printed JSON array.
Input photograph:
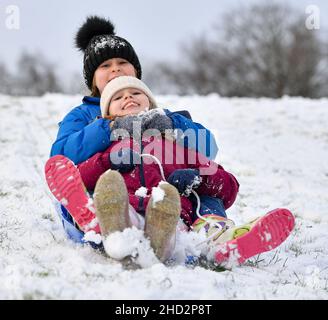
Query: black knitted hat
[{"x": 97, "y": 39}]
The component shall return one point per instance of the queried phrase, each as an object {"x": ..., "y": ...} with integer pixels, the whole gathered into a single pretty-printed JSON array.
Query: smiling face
[
  {"x": 128, "y": 101},
  {"x": 110, "y": 69}
]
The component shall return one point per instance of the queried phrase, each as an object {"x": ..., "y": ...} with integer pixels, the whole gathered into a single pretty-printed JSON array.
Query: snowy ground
[{"x": 278, "y": 150}]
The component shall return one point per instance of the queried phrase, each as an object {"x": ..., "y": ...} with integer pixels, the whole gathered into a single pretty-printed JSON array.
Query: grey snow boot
[
  {"x": 112, "y": 203},
  {"x": 162, "y": 216}
]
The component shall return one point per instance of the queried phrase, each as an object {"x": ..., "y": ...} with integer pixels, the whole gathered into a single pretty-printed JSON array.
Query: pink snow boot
[
  {"x": 261, "y": 235},
  {"x": 66, "y": 185}
]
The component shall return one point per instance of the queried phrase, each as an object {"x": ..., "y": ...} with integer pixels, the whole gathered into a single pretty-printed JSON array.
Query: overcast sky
[{"x": 154, "y": 28}]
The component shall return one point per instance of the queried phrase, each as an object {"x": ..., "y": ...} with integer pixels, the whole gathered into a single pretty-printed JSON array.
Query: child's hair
[
  {"x": 94, "y": 90},
  {"x": 121, "y": 83}
]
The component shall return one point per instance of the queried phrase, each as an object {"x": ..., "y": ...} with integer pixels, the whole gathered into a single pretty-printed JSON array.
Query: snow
[
  {"x": 194, "y": 185},
  {"x": 277, "y": 149},
  {"x": 108, "y": 42},
  {"x": 63, "y": 201},
  {"x": 157, "y": 194},
  {"x": 141, "y": 192},
  {"x": 131, "y": 242},
  {"x": 92, "y": 236},
  {"x": 93, "y": 222},
  {"x": 91, "y": 207}
]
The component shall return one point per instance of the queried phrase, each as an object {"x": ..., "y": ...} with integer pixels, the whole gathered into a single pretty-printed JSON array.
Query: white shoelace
[{"x": 211, "y": 223}]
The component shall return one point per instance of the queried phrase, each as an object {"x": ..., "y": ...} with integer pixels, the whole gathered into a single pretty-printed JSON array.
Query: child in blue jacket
[{"x": 83, "y": 132}]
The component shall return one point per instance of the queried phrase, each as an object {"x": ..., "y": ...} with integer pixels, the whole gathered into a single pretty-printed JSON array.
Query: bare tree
[
  {"x": 5, "y": 80},
  {"x": 35, "y": 76},
  {"x": 262, "y": 50},
  {"x": 76, "y": 84}
]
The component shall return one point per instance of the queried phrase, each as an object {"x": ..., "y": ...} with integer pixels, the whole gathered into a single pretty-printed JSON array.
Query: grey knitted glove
[
  {"x": 132, "y": 124},
  {"x": 156, "y": 119}
]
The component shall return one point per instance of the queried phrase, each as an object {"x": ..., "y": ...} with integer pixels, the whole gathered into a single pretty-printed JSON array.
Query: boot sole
[
  {"x": 111, "y": 203},
  {"x": 65, "y": 183},
  {"x": 162, "y": 219},
  {"x": 267, "y": 233}
]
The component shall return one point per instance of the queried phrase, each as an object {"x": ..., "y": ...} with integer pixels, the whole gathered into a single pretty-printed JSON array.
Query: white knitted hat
[{"x": 120, "y": 83}]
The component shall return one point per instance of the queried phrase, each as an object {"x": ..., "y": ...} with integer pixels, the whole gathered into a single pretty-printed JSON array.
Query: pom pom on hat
[
  {"x": 120, "y": 83},
  {"x": 93, "y": 26}
]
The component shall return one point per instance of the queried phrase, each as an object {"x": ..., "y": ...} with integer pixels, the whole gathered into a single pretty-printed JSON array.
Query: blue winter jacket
[{"x": 83, "y": 133}]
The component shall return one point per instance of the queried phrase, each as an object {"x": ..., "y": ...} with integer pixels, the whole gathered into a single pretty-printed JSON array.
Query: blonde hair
[{"x": 94, "y": 90}]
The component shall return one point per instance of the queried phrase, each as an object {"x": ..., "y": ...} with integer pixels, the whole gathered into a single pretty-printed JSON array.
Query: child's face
[
  {"x": 128, "y": 101},
  {"x": 111, "y": 69}
]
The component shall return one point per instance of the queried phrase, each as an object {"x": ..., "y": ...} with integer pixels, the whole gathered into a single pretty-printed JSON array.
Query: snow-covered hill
[{"x": 277, "y": 149}]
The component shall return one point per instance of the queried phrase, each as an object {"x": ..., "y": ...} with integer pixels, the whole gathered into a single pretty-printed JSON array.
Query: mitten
[
  {"x": 185, "y": 180},
  {"x": 124, "y": 160},
  {"x": 132, "y": 124},
  {"x": 156, "y": 119}
]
